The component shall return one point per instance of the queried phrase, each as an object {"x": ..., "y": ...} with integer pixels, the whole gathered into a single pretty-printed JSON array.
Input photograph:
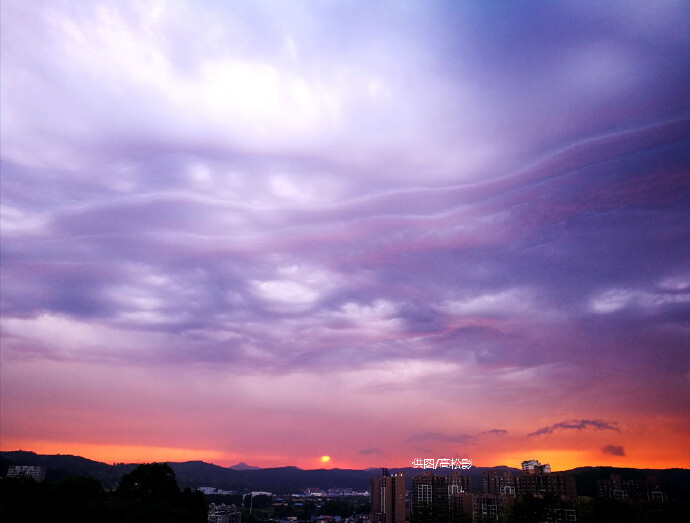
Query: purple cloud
[
  {"x": 497, "y": 432},
  {"x": 613, "y": 450},
  {"x": 577, "y": 425}
]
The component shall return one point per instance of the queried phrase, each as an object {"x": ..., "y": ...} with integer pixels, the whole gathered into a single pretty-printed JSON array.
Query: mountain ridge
[
  {"x": 243, "y": 466},
  {"x": 290, "y": 478}
]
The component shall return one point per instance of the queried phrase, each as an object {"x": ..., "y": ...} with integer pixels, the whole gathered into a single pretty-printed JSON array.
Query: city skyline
[{"x": 270, "y": 233}]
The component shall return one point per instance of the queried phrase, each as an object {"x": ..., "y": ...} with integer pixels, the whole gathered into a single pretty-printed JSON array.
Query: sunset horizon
[
  {"x": 113, "y": 454},
  {"x": 139, "y": 455}
]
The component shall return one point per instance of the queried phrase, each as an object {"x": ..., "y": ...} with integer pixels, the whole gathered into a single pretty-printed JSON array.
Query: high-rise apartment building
[
  {"x": 33, "y": 471},
  {"x": 496, "y": 482},
  {"x": 632, "y": 489},
  {"x": 538, "y": 479},
  {"x": 388, "y": 498},
  {"x": 437, "y": 498}
]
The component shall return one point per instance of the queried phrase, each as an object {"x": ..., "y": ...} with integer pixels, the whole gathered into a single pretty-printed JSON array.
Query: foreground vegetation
[{"x": 149, "y": 493}]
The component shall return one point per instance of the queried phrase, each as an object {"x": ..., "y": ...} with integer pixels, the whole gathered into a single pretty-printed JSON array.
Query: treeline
[{"x": 149, "y": 493}]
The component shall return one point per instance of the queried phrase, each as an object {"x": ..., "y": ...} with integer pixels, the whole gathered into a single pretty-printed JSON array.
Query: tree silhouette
[
  {"x": 150, "y": 494},
  {"x": 150, "y": 481}
]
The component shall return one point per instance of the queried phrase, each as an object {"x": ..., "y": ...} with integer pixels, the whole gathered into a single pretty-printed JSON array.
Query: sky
[{"x": 379, "y": 231}]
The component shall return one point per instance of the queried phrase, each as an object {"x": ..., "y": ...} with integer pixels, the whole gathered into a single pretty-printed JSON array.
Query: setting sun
[{"x": 325, "y": 459}]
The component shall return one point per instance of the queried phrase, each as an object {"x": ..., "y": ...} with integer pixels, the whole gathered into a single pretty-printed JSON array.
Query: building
[
  {"x": 388, "y": 498},
  {"x": 33, "y": 471},
  {"x": 489, "y": 506},
  {"x": 538, "y": 479},
  {"x": 532, "y": 466},
  {"x": 632, "y": 489},
  {"x": 456, "y": 483},
  {"x": 214, "y": 490},
  {"x": 438, "y": 498},
  {"x": 563, "y": 512},
  {"x": 495, "y": 482},
  {"x": 224, "y": 514},
  {"x": 474, "y": 507},
  {"x": 429, "y": 497}
]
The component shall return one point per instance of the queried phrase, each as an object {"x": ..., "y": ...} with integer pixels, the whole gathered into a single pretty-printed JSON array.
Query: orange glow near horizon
[
  {"x": 108, "y": 453},
  {"x": 111, "y": 453},
  {"x": 558, "y": 459}
]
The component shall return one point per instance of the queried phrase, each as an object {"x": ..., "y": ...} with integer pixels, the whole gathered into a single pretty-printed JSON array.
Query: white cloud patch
[
  {"x": 511, "y": 302},
  {"x": 378, "y": 318},
  {"x": 614, "y": 300},
  {"x": 81, "y": 339},
  {"x": 297, "y": 286}
]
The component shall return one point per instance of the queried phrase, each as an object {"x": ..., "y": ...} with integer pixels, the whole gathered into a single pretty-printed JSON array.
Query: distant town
[{"x": 162, "y": 492}]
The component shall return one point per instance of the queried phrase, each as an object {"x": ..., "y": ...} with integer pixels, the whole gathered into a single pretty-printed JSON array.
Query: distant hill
[
  {"x": 243, "y": 466},
  {"x": 62, "y": 466},
  {"x": 293, "y": 479}
]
